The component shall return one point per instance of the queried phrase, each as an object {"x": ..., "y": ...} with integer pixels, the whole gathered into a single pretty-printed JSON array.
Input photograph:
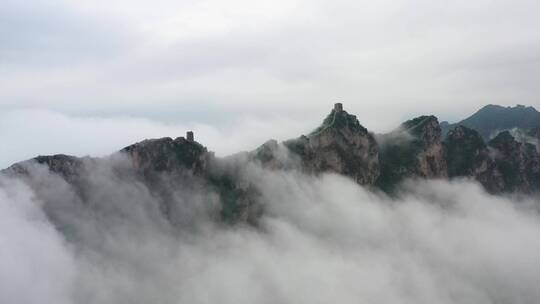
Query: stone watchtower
[
  {"x": 338, "y": 107},
  {"x": 189, "y": 136}
]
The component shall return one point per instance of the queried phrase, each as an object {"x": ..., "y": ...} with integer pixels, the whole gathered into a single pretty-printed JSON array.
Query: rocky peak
[
  {"x": 424, "y": 128},
  {"x": 466, "y": 152},
  {"x": 466, "y": 135},
  {"x": 504, "y": 142},
  {"x": 414, "y": 149},
  {"x": 504, "y": 165},
  {"x": 168, "y": 155},
  {"x": 518, "y": 163},
  {"x": 468, "y": 156},
  {"x": 340, "y": 145},
  {"x": 341, "y": 121}
]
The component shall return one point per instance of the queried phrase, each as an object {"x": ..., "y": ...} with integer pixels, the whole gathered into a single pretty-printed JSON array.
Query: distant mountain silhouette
[{"x": 493, "y": 119}]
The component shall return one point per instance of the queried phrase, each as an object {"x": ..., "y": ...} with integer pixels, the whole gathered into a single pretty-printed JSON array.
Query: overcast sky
[{"x": 216, "y": 62}]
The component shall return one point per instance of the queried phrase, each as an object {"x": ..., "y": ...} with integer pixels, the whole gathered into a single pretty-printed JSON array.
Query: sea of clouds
[{"x": 321, "y": 239}]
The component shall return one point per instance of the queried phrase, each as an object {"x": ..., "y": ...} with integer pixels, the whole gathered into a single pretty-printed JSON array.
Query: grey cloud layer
[
  {"x": 51, "y": 34},
  {"x": 386, "y": 58}
]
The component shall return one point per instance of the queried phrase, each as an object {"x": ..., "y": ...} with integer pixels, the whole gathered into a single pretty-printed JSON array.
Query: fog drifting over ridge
[
  {"x": 321, "y": 239},
  {"x": 30, "y": 132},
  {"x": 89, "y": 77}
]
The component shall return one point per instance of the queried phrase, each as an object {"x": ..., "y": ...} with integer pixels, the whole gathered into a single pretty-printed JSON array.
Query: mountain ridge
[{"x": 340, "y": 145}]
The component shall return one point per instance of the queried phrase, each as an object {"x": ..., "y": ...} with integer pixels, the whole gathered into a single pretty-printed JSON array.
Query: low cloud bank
[
  {"x": 36, "y": 265},
  {"x": 321, "y": 239}
]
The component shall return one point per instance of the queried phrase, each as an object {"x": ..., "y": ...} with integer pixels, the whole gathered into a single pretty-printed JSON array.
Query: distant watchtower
[
  {"x": 338, "y": 107},
  {"x": 189, "y": 136}
]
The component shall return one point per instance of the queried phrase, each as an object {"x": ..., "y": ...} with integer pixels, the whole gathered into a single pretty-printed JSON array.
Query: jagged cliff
[
  {"x": 180, "y": 155},
  {"x": 416, "y": 149},
  {"x": 518, "y": 163},
  {"x": 340, "y": 145},
  {"x": 504, "y": 164},
  {"x": 468, "y": 156}
]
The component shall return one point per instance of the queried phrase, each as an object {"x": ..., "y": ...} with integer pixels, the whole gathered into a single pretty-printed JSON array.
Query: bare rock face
[
  {"x": 155, "y": 156},
  {"x": 340, "y": 145},
  {"x": 535, "y": 134},
  {"x": 168, "y": 155},
  {"x": 171, "y": 164},
  {"x": 518, "y": 163},
  {"x": 466, "y": 151},
  {"x": 505, "y": 164},
  {"x": 69, "y": 167},
  {"x": 432, "y": 162},
  {"x": 343, "y": 146},
  {"x": 415, "y": 149},
  {"x": 468, "y": 156}
]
